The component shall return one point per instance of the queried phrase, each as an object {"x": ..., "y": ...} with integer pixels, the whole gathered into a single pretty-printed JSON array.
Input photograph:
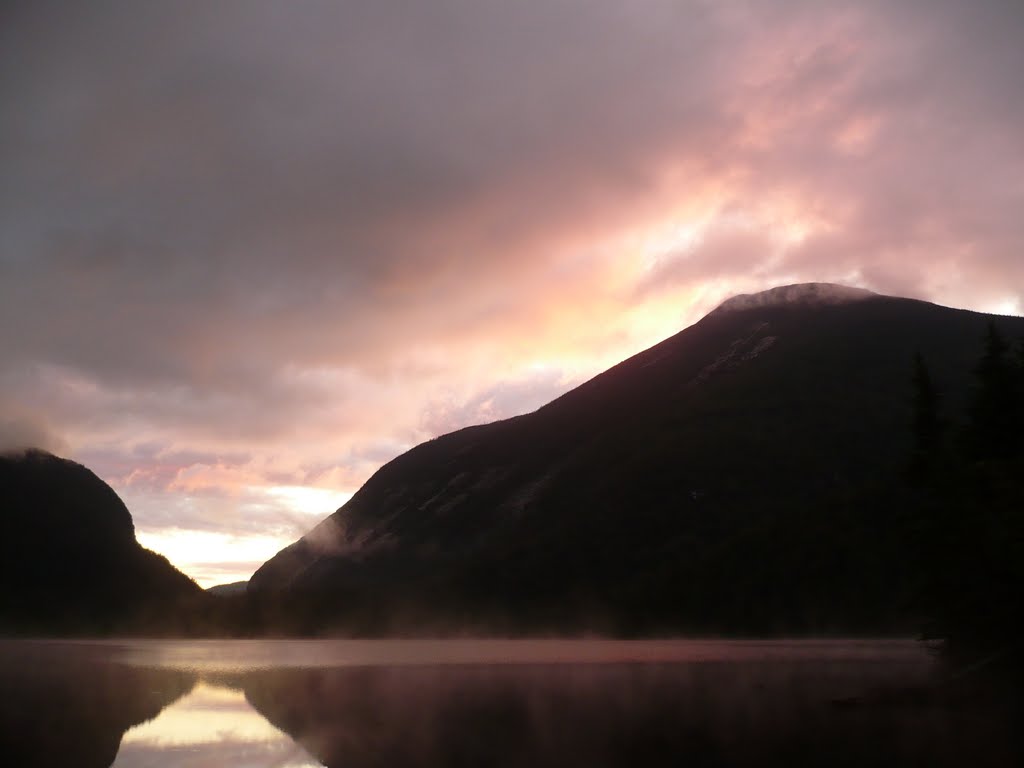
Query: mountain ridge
[{"x": 607, "y": 505}]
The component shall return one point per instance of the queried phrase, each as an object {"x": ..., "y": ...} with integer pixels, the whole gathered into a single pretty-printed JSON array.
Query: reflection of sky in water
[
  {"x": 211, "y": 726},
  {"x": 213, "y": 656},
  {"x": 541, "y": 704}
]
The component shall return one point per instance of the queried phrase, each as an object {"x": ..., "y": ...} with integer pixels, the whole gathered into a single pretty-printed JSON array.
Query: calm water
[{"x": 500, "y": 703}]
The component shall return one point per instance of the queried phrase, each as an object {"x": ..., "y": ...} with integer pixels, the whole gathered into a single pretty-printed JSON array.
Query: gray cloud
[
  {"x": 19, "y": 431},
  {"x": 254, "y": 227},
  {"x": 727, "y": 249},
  {"x": 501, "y": 401},
  {"x": 202, "y": 183}
]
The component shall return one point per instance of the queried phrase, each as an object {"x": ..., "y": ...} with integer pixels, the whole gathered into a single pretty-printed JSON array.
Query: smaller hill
[
  {"x": 69, "y": 560},
  {"x": 228, "y": 590}
]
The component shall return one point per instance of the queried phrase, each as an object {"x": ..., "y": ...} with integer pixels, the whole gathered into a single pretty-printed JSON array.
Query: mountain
[
  {"x": 69, "y": 561},
  {"x": 228, "y": 590},
  {"x": 744, "y": 475}
]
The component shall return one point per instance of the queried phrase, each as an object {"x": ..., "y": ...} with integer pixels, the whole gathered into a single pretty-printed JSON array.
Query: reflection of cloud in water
[{"x": 212, "y": 726}]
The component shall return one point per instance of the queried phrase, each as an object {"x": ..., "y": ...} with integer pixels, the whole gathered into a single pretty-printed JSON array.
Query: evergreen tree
[
  {"x": 927, "y": 429},
  {"x": 994, "y": 428},
  {"x": 969, "y": 517}
]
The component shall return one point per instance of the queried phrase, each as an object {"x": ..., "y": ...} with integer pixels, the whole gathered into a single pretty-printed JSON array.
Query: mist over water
[{"x": 510, "y": 703}]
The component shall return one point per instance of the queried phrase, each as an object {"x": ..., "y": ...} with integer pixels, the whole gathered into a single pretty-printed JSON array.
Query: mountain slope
[
  {"x": 738, "y": 476},
  {"x": 69, "y": 561}
]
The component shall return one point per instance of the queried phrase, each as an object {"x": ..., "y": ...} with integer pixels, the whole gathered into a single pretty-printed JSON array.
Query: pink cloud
[{"x": 246, "y": 247}]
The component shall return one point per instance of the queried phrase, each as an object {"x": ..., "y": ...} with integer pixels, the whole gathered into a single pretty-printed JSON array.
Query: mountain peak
[
  {"x": 653, "y": 497},
  {"x": 803, "y": 294}
]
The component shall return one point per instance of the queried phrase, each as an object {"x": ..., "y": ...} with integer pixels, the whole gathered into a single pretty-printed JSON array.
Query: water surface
[{"x": 493, "y": 702}]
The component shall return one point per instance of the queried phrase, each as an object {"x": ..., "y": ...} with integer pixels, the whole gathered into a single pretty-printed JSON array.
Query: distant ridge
[{"x": 228, "y": 590}]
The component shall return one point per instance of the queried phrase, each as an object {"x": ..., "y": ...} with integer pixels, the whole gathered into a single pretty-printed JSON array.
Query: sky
[{"x": 250, "y": 251}]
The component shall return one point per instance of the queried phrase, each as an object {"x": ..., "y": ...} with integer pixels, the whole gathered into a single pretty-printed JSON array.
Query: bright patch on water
[{"x": 211, "y": 726}]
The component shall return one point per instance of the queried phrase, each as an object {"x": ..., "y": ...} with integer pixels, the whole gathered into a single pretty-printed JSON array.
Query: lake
[{"x": 467, "y": 702}]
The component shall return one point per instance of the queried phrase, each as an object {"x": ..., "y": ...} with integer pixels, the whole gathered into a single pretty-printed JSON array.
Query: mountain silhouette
[
  {"x": 69, "y": 560},
  {"x": 742, "y": 475}
]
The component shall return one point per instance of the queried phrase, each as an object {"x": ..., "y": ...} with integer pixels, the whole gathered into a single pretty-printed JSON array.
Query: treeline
[{"x": 967, "y": 515}]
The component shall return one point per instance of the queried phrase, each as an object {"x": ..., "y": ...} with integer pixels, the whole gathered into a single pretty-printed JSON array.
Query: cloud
[
  {"x": 21, "y": 431},
  {"x": 501, "y": 401},
  {"x": 299, "y": 239},
  {"x": 720, "y": 249}
]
